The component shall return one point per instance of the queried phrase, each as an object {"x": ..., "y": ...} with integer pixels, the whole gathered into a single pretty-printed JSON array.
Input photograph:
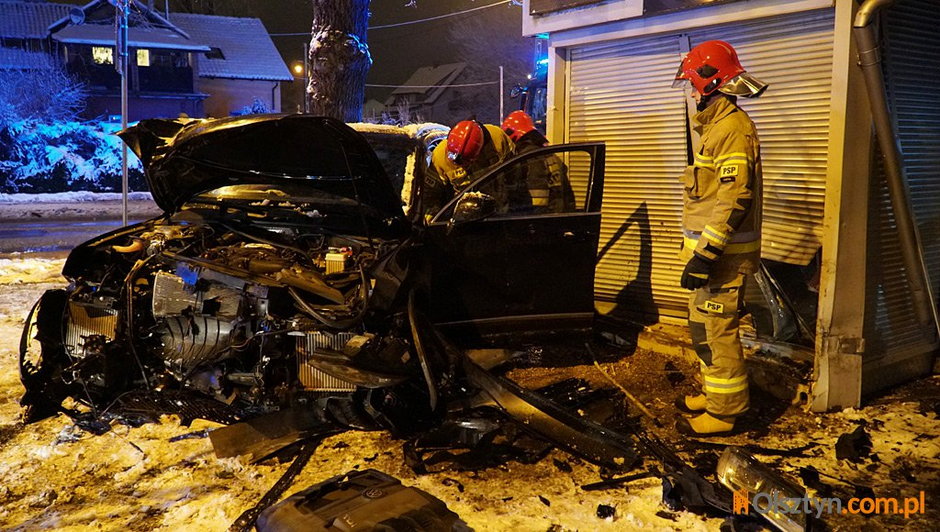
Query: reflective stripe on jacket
[{"x": 721, "y": 212}]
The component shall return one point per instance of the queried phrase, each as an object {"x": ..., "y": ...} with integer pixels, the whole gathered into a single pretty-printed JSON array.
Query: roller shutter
[
  {"x": 912, "y": 75},
  {"x": 620, "y": 92}
]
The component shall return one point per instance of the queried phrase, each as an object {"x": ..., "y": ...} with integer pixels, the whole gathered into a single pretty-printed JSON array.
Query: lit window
[
  {"x": 143, "y": 58},
  {"x": 102, "y": 55}
]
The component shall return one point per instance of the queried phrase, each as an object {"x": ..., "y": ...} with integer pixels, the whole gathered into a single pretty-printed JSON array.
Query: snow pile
[
  {"x": 72, "y": 197},
  {"x": 30, "y": 271},
  {"x": 51, "y": 157}
]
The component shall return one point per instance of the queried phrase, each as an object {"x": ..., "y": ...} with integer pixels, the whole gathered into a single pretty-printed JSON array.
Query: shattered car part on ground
[{"x": 360, "y": 500}]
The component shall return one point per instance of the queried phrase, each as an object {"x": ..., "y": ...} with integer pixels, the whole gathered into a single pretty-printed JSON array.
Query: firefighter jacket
[
  {"x": 721, "y": 213},
  {"x": 444, "y": 178},
  {"x": 546, "y": 177}
]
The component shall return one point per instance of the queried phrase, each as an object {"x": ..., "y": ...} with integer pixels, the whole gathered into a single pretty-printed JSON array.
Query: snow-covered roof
[
  {"x": 427, "y": 83},
  {"x": 428, "y": 79},
  {"x": 17, "y": 59},
  {"x": 30, "y": 20},
  {"x": 245, "y": 44},
  {"x": 138, "y": 37}
]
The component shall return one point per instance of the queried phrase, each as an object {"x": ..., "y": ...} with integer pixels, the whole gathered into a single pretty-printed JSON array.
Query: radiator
[{"x": 311, "y": 378}]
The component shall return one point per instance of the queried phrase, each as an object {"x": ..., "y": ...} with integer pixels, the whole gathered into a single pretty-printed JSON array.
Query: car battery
[
  {"x": 335, "y": 260},
  {"x": 360, "y": 500}
]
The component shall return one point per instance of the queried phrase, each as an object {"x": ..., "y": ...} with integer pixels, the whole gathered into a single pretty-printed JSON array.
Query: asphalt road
[
  {"x": 58, "y": 227},
  {"x": 53, "y": 235}
]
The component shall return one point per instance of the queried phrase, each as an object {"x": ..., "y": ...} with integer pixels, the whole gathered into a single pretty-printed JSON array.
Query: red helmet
[
  {"x": 517, "y": 124},
  {"x": 465, "y": 142},
  {"x": 714, "y": 65}
]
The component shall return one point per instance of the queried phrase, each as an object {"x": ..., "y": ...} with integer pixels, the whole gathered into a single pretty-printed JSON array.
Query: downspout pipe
[{"x": 869, "y": 58}]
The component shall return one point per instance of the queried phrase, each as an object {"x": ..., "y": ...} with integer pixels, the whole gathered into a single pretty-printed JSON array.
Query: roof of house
[
  {"x": 248, "y": 50},
  {"x": 18, "y": 59},
  {"x": 428, "y": 78},
  {"x": 103, "y": 35},
  {"x": 146, "y": 28},
  {"x": 29, "y": 20},
  {"x": 429, "y": 82}
]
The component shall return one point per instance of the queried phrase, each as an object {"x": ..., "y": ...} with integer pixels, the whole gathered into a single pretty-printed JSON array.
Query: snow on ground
[
  {"x": 71, "y": 197},
  {"x": 58, "y": 477}
]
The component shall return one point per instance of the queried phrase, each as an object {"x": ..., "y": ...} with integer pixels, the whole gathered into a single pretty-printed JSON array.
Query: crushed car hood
[{"x": 185, "y": 157}]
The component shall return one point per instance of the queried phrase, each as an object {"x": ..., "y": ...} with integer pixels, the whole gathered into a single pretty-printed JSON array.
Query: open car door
[{"x": 501, "y": 262}]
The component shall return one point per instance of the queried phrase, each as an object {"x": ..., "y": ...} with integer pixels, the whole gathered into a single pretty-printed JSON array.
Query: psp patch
[
  {"x": 712, "y": 306},
  {"x": 726, "y": 172}
]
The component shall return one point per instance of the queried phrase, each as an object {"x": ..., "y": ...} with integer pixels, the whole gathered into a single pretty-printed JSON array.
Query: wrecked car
[{"x": 285, "y": 278}]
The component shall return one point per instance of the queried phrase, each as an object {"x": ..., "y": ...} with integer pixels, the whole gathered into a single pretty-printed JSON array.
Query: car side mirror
[{"x": 471, "y": 207}]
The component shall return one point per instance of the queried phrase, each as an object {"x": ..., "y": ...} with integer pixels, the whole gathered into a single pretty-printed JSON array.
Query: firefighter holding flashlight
[
  {"x": 721, "y": 224},
  {"x": 470, "y": 150}
]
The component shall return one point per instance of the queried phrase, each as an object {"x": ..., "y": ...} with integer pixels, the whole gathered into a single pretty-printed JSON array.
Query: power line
[
  {"x": 433, "y": 86},
  {"x": 446, "y": 15},
  {"x": 441, "y": 16}
]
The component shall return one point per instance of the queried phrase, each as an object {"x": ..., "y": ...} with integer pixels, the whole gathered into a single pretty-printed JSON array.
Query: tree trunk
[{"x": 339, "y": 59}]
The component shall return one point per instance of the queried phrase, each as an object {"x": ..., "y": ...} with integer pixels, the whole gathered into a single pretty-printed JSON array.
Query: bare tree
[
  {"x": 339, "y": 58},
  {"x": 45, "y": 91}
]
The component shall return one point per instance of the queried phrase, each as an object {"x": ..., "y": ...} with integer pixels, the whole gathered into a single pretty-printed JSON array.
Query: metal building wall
[{"x": 897, "y": 348}]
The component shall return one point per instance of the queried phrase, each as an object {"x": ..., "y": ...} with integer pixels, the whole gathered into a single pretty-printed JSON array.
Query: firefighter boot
[
  {"x": 706, "y": 425},
  {"x": 691, "y": 404}
]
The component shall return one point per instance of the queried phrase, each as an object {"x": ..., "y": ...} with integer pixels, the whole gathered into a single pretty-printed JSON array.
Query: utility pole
[
  {"x": 501, "y": 92},
  {"x": 120, "y": 26},
  {"x": 306, "y": 76}
]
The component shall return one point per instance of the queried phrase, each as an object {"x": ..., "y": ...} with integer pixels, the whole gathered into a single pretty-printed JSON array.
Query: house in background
[
  {"x": 178, "y": 63},
  {"x": 445, "y": 94},
  {"x": 426, "y": 94}
]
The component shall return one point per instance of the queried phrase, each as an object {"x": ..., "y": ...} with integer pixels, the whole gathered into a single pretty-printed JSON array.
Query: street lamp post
[{"x": 120, "y": 25}]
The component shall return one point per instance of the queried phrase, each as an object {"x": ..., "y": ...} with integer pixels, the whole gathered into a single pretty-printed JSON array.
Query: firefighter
[
  {"x": 721, "y": 219},
  {"x": 546, "y": 176},
  {"x": 470, "y": 150}
]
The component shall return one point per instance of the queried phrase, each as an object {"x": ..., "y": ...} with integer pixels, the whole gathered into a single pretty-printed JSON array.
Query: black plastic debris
[
  {"x": 545, "y": 501},
  {"x": 673, "y": 374},
  {"x": 811, "y": 479},
  {"x": 362, "y": 500},
  {"x": 453, "y": 482},
  {"x": 562, "y": 466},
  {"x": 246, "y": 521},
  {"x": 853, "y": 446},
  {"x": 617, "y": 482},
  {"x": 662, "y": 514},
  {"x": 195, "y": 435},
  {"x": 606, "y": 511}
]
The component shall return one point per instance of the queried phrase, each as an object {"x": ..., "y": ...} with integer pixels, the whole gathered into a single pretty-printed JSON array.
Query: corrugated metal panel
[
  {"x": 912, "y": 75},
  {"x": 794, "y": 55},
  {"x": 620, "y": 92}
]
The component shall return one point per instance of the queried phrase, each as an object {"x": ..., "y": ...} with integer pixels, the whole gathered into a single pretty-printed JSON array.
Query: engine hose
[
  {"x": 341, "y": 323},
  {"x": 134, "y": 247}
]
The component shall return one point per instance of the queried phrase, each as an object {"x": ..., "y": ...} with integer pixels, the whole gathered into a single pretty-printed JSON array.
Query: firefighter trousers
[{"x": 713, "y": 324}]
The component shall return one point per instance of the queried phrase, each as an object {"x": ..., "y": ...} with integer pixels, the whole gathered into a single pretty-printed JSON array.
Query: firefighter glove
[{"x": 696, "y": 272}]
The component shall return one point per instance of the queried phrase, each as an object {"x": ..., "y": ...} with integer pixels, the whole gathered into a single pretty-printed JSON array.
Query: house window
[
  {"x": 102, "y": 55},
  {"x": 143, "y": 57},
  {"x": 215, "y": 53}
]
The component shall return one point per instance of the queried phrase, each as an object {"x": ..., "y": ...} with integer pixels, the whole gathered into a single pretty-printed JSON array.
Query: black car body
[{"x": 285, "y": 273}]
